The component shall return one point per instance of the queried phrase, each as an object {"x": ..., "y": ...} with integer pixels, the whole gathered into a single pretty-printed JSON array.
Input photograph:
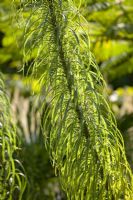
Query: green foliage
[
  {"x": 111, "y": 32},
  {"x": 10, "y": 57},
  {"x": 80, "y": 130},
  {"x": 12, "y": 180},
  {"x": 41, "y": 181},
  {"x": 120, "y": 63}
]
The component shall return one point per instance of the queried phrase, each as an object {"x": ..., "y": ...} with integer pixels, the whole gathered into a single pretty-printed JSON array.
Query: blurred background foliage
[{"x": 110, "y": 27}]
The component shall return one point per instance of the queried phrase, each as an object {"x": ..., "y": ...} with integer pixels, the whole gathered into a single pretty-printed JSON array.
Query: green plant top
[{"x": 80, "y": 130}]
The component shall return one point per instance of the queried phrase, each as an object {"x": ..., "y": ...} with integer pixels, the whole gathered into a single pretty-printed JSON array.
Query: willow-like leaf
[
  {"x": 12, "y": 181},
  {"x": 85, "y": 145}
]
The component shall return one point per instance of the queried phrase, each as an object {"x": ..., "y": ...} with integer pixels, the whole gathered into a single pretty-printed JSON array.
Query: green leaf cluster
[
  {"x": 80, "y": 130},
  {"x": 111, "y": 32},
  {"x": 12, "y": 180}
]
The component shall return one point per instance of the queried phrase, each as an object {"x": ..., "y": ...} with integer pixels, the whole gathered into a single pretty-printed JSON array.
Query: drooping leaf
[
  {"x": 12, "y": 180},
  {"x": 85, "y": 145}
]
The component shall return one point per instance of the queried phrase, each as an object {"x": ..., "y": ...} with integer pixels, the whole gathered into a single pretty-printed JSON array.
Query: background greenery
[{"x": 110, "y": 26}]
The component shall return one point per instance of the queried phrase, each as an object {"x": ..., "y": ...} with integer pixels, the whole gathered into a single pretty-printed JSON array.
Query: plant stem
[{"x": 67, "y": 71}]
